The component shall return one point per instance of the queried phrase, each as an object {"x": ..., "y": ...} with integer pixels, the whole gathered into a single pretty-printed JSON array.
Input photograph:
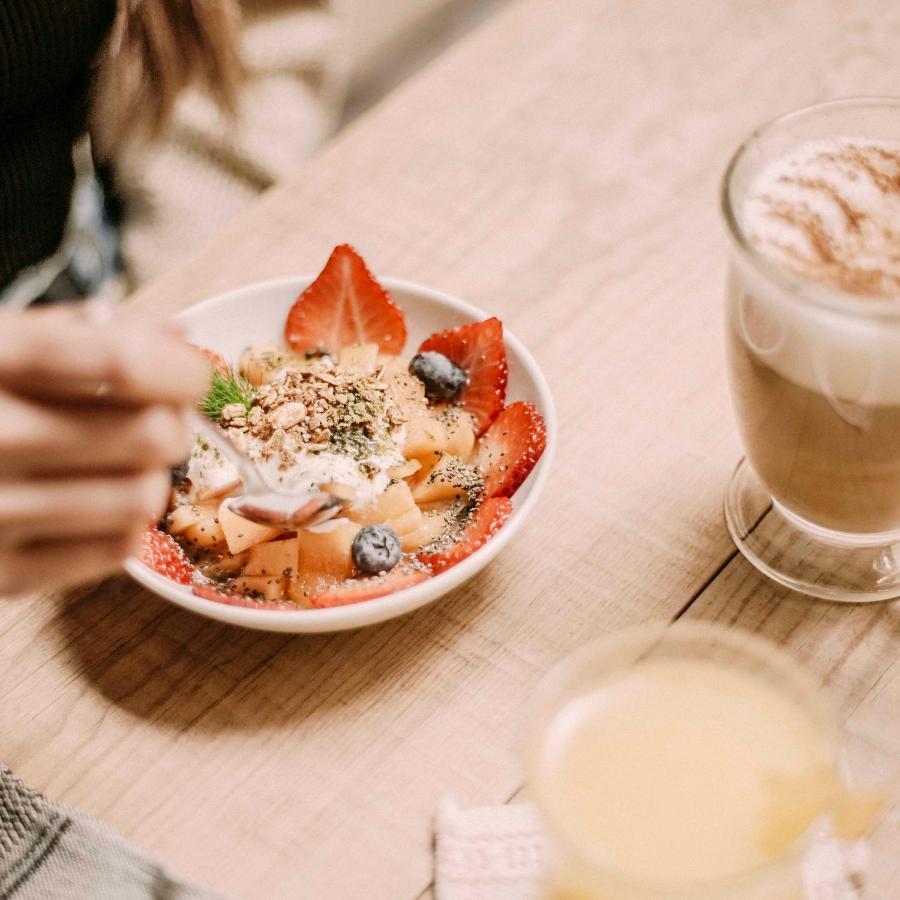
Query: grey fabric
[{"x": 50, "y": 852}]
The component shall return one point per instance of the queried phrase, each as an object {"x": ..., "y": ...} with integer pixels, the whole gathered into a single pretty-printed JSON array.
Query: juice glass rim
[
  {"x": 793, "y": 286},
  {"x": 775, "y": 659}
]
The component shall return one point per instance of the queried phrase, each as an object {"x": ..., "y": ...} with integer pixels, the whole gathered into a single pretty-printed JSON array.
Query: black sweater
[{"x": 46, "y": 51}]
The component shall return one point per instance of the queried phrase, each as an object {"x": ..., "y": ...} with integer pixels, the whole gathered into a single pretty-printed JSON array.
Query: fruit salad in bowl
[{"x": 424, "y": 450}]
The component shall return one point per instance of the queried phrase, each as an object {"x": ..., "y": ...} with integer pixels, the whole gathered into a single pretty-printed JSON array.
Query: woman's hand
[{"x": 91, "y": 418}]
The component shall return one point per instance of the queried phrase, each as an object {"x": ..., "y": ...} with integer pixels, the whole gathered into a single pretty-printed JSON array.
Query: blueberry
[
  {"x": 442, "y": 377},
  {"x": 376, "y": 548},
  {"x": 179, "y": 473}
]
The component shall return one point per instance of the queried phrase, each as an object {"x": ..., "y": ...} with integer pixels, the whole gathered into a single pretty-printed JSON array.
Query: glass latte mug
[
  {"x": 811, "y": 203},
  {"x": 683, "y": 762}
]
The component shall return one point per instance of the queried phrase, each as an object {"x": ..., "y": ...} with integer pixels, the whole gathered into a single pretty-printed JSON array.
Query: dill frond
[{"x": 224, "y": 390}]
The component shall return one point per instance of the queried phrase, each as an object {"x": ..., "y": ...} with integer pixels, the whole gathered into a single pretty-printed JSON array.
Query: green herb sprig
[{"x": 223, "y": 390}]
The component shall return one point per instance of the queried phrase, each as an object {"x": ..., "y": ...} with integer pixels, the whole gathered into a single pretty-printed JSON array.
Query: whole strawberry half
[
  {"x": 161, "y": 553},
  {"x": 357, "y": 590},
  {"x": 486, "y": 521},
  {"x": 477, "y": 349},
  {"x": 507, "y": 452},
  {"x": 345, "y": 305}
]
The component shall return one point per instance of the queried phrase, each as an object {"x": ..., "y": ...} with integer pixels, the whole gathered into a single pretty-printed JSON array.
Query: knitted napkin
[
  {"x": 497, "y": 853},
  {"x": 51, "y": 852}
]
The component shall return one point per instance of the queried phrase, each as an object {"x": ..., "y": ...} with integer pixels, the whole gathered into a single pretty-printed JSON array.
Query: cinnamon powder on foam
[{"x": 829, "y": 212}]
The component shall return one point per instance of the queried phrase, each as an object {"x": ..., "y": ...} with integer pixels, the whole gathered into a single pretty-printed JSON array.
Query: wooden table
[{"x": 559, "y": 167}]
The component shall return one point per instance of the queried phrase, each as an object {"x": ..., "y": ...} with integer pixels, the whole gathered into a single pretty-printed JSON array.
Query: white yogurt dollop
[{"x": 210, "y": 473}]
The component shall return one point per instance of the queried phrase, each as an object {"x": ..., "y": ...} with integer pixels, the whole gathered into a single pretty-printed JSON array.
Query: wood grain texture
[{"x": 558, "y": 168}]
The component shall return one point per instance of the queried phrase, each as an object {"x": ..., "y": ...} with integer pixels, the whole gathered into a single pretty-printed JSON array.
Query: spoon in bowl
[{"x": 259, "y": 503}]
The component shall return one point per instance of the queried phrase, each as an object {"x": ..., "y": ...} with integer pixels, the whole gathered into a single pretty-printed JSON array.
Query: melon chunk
[
  {"x": 360, "y": 358},
  {"x": 429, "y": 531},
  {"x": 426, "y": 438},
  {"x": 393, "y": 502},
  {"x": 197, "y": 523},
  {"x": 393, "y": 365},
  {"x": 261, "y": 363},
  {"x": 326, "y": 554},
  {"x": 271, "y": 587},
  {"x": 409, "y": 521},
  {"x": 460, "y": 436},
  {"x": 405, "y": 469},
  {"x": 408, "y": 393},
  {"x": 240, "y": 533},
  {"x": 273, "y": 558},
  {"x": 450, "y": 479}
]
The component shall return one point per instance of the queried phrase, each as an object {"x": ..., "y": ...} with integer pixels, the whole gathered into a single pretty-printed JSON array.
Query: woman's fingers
[
  {"x": 59, "y": 354},
  {"x": 45, "y": 509},
  {"x": 45, "y": 439},
  {"x": 52, "y": 564}
]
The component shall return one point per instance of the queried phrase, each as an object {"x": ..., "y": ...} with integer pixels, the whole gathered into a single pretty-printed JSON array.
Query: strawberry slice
[
  {"x": 358, "y": 589},
  {"x": 161, "y": 553},
  {"x": 216, "y": 359},
  {"x": 207, "y": 592},
  {"x": 478, "y": 349},
  {"x": 345, "y": 305},
  {"x": 510, "y": 448},
  {"x": 486, "y": 522}
]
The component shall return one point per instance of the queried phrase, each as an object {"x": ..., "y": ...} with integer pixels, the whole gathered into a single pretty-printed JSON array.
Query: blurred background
[{"x": 313, "y": 67}]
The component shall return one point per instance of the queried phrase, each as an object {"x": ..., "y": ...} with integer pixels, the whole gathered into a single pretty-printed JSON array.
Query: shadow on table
[{"x": 180, "y": 671}]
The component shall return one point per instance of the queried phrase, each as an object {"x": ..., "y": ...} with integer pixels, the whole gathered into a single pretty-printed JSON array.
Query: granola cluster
[{"x": 320, "y": 408}]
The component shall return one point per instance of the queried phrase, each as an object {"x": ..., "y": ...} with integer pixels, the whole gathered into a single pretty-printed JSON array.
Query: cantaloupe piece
[
  {"x": 360, "y": 358},
  {"x": 392, "y": 503},
  {"x": 409, "y": 521},
  {"x": 448, "y": 480},
  {"x": 326, "y": 554},
  {"x": 261, "y": 363},
  {"x": 426, "y": 438},
  {"x": 460, "y": 436},
  {"x": 430, "y": 530},
  {"x": 408, "y": 393},
  {"x": 272, "y": 587},
  {"x": 197, "y": 523},
  {"x": 240, "y": 533},
  {"x": 272, "y": 558},
  {"x": 391, "y": 364},
  {"x": 405, "y": 469}
]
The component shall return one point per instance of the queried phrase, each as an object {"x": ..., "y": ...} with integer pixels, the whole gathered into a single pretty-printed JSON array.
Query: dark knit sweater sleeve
[{"x": 47, "y": 48}]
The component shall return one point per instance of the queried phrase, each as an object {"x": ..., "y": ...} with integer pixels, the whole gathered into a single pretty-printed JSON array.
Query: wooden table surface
[{"x": 559, "y": 167}]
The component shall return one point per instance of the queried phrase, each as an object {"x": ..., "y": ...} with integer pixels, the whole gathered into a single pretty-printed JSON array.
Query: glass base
[{"x": 833, "y": 566}]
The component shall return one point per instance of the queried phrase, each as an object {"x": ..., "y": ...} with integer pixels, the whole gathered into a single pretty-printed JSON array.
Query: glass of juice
[{"x": 680, "y": 762}]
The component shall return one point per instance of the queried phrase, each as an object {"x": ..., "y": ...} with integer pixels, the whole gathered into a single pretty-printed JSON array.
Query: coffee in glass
[{"x": 812, "y": 203}]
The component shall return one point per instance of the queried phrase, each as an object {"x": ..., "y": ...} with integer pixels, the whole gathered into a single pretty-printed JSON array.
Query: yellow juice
[{"x": 680, "y": 776}]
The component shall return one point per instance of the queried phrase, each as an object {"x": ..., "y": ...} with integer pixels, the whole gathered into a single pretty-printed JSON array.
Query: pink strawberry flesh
[
  {"x": 510, "y": 448},
  {"x": 478, "y": 349},
  {"x": 345, "y": 305}
]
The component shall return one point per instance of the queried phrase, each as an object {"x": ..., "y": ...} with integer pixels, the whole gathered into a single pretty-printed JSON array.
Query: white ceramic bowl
[{"x": 257, "y": 313}]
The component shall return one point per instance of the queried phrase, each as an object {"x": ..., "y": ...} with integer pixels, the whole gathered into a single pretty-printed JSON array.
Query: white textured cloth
[{"x": 498, "y": 853}]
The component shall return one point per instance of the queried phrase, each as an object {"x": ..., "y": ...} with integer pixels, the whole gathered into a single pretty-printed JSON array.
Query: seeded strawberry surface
[
  {"x": 478, "y": 349},
  {"x": 161, "y": 553},
  {"x": 360, "y": 589},
  {"x": 486, "y": 521},
  {"x": 344, "y": 306},
  {"x": 508, "y": 451}
]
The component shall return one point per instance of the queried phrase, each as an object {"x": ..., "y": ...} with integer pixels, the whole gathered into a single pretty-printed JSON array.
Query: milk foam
[{"x": 829, "y": 211}]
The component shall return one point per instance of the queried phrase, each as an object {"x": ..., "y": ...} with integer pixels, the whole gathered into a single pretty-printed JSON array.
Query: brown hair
[{"x": 155, "y": 49}]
